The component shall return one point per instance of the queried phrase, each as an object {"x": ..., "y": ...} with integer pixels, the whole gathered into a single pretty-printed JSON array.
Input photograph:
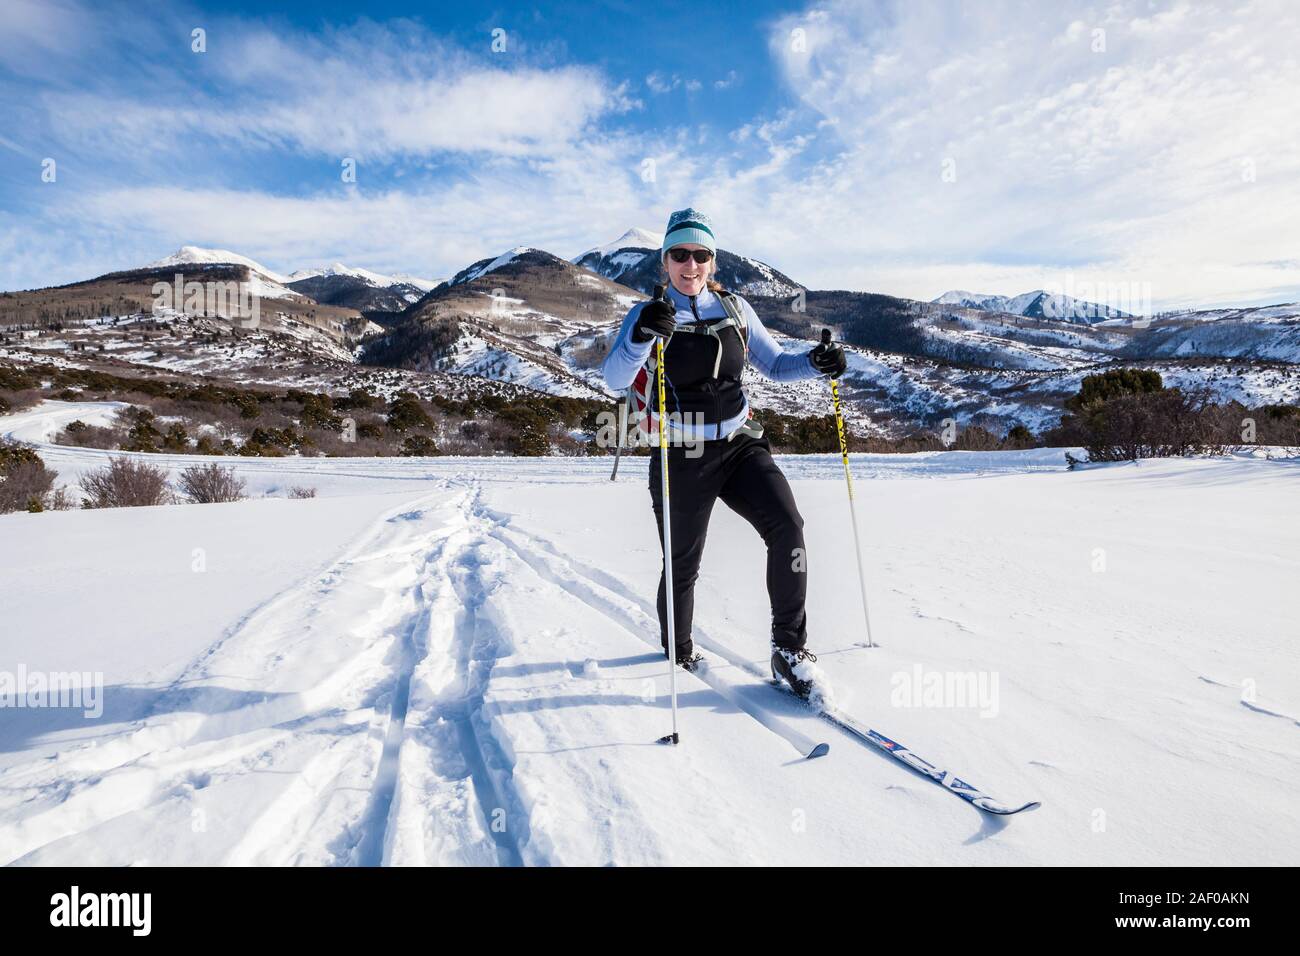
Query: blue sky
[{"x": 897, "y": 147}]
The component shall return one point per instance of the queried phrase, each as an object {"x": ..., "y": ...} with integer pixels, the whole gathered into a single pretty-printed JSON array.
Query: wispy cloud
[{"x": 1156, "y": 147}]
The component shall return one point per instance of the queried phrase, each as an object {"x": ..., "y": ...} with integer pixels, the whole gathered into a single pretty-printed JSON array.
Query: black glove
[
  {"x": 658, "y": 317},
  {"x": 828, "y": 358}
]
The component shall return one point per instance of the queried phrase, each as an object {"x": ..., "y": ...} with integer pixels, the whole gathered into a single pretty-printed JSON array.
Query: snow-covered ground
[{"x": 453, "y": 661}]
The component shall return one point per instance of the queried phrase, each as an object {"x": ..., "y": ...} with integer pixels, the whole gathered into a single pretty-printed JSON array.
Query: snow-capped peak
[
  {"x": 634, "y": 238},
  {"x": 502, "y": 260},
  {"x": 197, "y": 255},
  {"x": 1037, "y": 303},
  {"x": 339, "y": 269},
  {"x": 424, "y": 285},
  {"x": 981, "y": 300},
  {"x": 377, "y": 279}
]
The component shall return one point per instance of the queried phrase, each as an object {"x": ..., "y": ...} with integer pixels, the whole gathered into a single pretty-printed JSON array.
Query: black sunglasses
[{"x": 681, "y": 255}]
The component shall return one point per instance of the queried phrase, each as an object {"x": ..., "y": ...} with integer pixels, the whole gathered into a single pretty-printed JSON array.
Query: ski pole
[
  {"x": 622, "y": 433},
  {"x": 668, "y": 531},
  {"x": 853, "y": 512}
]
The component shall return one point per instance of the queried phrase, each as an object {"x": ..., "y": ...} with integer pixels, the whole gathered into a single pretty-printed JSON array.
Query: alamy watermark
[
  {"x": 82, "y": 690},
  {"x": 75, "y": 908},
  {"x": 684, "y": 428},
  {"x": 1096, "y": 300},
  {"x": 958, "y": 689},
  {"x": 228, "y": 300}
]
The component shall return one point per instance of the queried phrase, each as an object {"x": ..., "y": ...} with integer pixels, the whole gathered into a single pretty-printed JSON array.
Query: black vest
[{"x": 689, "y": 360}]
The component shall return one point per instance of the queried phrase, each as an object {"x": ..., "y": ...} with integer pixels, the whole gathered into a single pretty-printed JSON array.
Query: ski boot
[
  {"x": 691, "y": 662},
  {"x": 796, "y": 668}
]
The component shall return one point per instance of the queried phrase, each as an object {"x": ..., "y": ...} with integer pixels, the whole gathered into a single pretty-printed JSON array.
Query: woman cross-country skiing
[{"x": 716, "y": 449}]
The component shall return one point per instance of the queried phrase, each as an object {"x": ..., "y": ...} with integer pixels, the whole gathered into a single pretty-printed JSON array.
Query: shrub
[
  {"x": 208, "y": 484},
  {"x": 317, "y": 412},
  {"x": 24, "y": 480},
  {"x": 246, "y": 403},
  {"x": 300, "y": 491},
  {"x": 810, "y": 435},
  {"x": 418, "y": 446},
  {"x": 142, "y": 434},
  {"x": 126, "y": 483},
  {"x": 80, "y": 434},
  {"x": 1018, "y": 437},
  {"x": 405, "y": 412},
  {"x": 1129, "y": 426},
  {"x": 17, "y": 379},
  {"x": 206, "y": 446},
  {"x": 358, "y": 399},
  {"x": 1112, "y": 384},
  {"x": 176, "y": 438},
  {"x": 975, "y": 438}
]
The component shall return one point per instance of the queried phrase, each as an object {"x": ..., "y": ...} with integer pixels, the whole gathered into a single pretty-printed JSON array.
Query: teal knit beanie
[{"x": 689, "y": 225}]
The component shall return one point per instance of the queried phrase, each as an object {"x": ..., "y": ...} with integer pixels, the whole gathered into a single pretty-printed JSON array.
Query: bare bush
[
  {"x": 126, "y": 483},
  {"x": 25, "y": 482},
  {"x": 61, "y": 500},
  {"x": 301, "y": 491},
  {"x": 210, "y": 484},
  {"x": 23, "y": 487},
  {"x": 19, "y": 400},
  {"x": 81, "y": 435}
]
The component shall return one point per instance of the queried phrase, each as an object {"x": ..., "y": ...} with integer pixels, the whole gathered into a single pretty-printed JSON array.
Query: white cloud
[
  {"x": 661, "y": 84},
  {"x": 366, "y": 110},
  {"x": 1128, "y": 160}
]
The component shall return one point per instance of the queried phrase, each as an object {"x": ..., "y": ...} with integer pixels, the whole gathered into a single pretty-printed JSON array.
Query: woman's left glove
[{"x": 828, "y": 358}]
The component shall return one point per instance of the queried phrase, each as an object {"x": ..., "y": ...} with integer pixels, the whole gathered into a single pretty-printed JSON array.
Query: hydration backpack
[{"x": 642, "y": 396}]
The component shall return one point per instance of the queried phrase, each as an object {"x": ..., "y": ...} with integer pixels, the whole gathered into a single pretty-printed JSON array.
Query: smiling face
[{"x": 688, "y": 277}]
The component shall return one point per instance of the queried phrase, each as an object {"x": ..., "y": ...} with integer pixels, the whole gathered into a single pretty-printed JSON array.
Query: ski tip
[
  {"x": 821, "y": 750},
  {"x": 1003, "y": 811}
]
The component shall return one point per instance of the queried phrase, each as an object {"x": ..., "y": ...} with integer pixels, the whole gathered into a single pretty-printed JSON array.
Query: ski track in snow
[
  {"x": 273, "y": 697},
  {"x": 381, "y": 736}
]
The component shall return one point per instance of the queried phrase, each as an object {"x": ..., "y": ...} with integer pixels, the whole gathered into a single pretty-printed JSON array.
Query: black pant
[{"x": 742, "y": 473}]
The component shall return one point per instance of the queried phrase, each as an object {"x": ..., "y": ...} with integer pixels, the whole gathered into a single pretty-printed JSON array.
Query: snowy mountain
[
  {"x": 197, "y": 255},
  {"x": 117, "y": 321},
  {"x": 518, "y": 317},
  {"x": 492, "y": 264},
  {"x": 1037, "y": 304},
  {"x": 262, "y": 280},
  {"x": 1270, "y": 333},
  {"x": 360, "y": 289},
  {"x": 424, "y": 285},
  {"x": 377, "y": 279},
  {"x": 626, "y": 252},
  {"x": 338, "y": 285}
]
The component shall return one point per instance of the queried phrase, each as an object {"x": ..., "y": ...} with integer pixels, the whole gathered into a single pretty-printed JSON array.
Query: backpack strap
[
  {"x": 735, "y": 317},
  {"x": 642, "y": 405}
]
